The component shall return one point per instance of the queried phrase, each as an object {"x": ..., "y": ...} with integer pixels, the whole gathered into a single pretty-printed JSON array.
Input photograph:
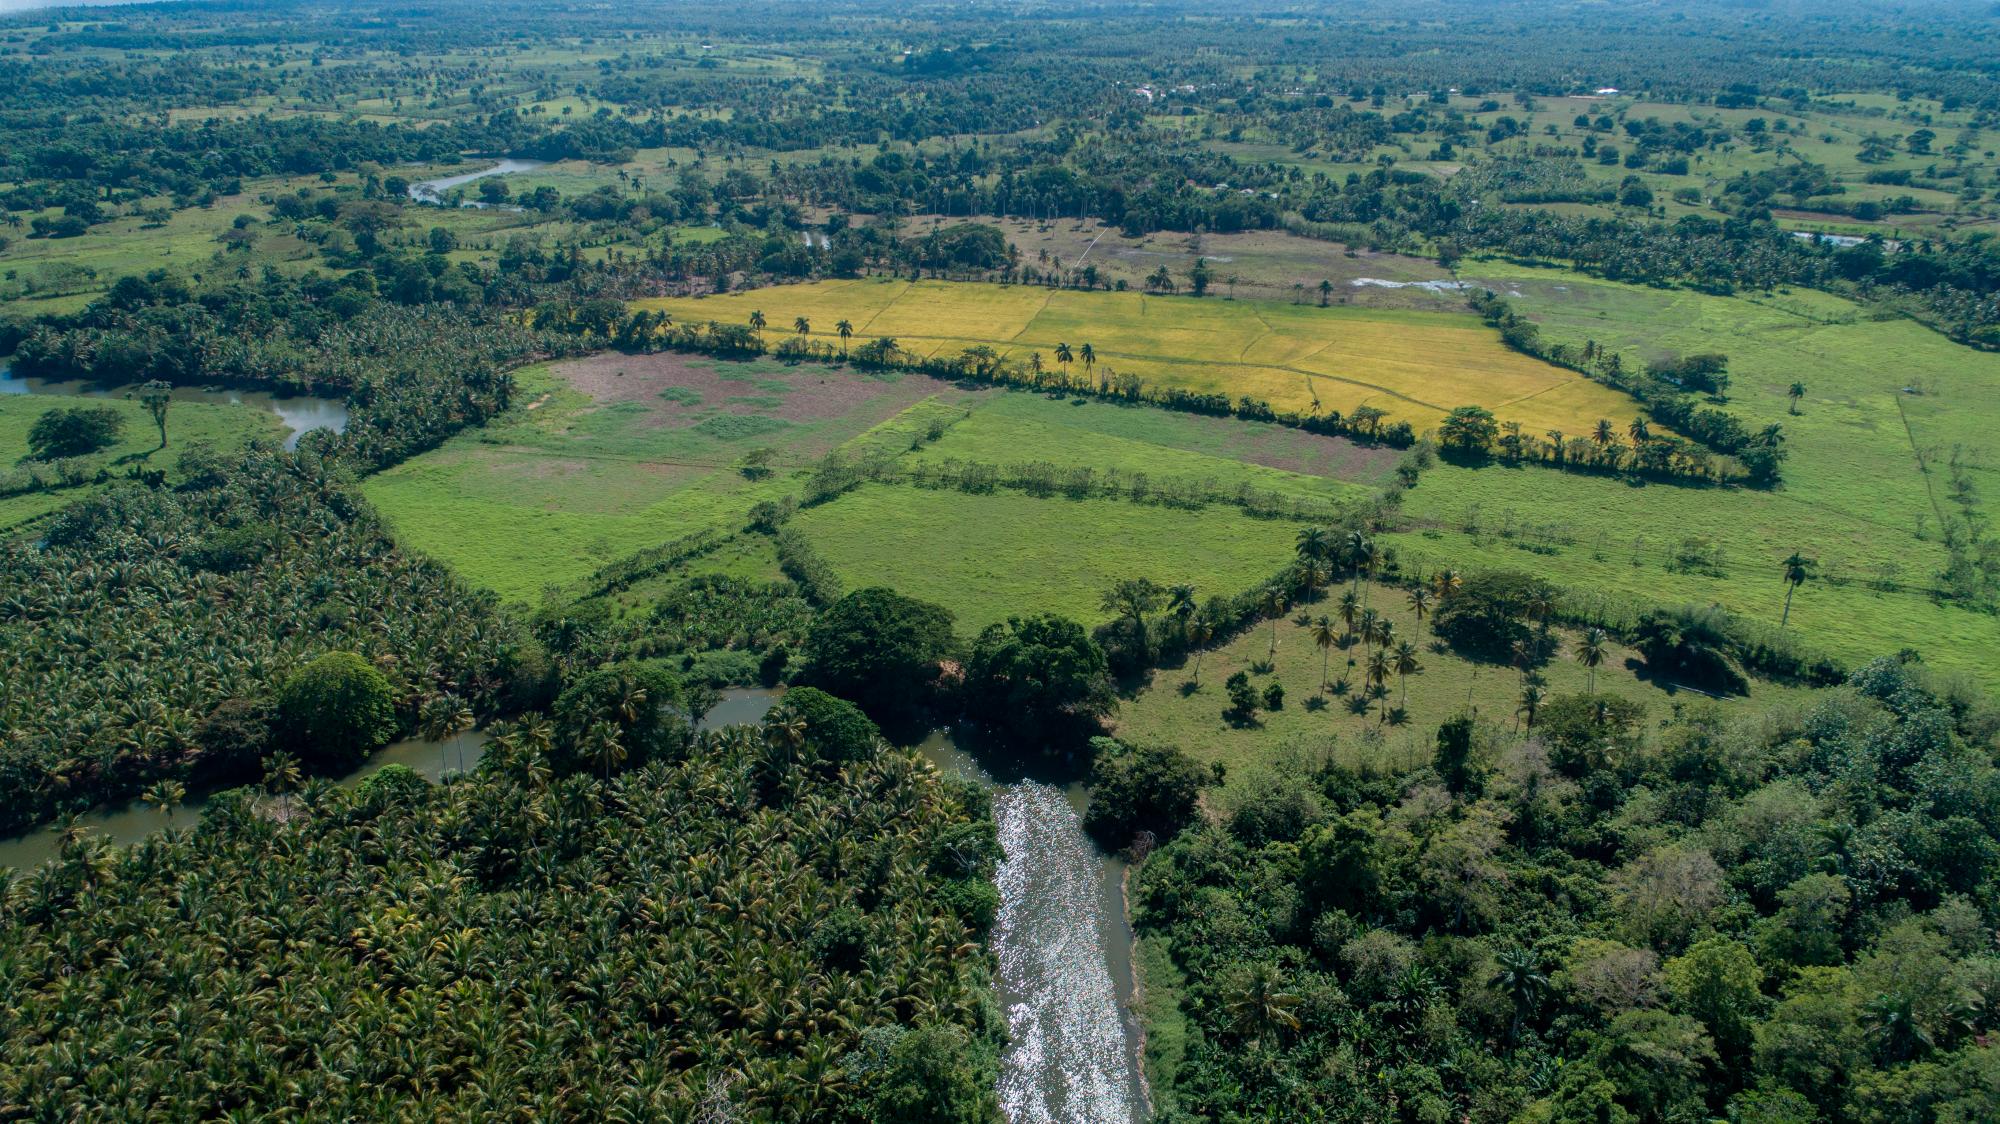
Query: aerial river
[
  {"x": 433, "y": 191},
  {"x": 1062, "y": 940},
  {"x": 300, "y": 413}
]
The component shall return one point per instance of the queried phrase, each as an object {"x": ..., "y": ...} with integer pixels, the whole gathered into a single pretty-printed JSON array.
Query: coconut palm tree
[
  {"x": 1406, "y": 665},
  {"x": 1520, "y": 976},
  {"x": 1259, "y": 1005},
  {"x": 166, "y": 795},
  {"x": 1350, "y": 610},
  {"x": 1446, "y": 583},
  {"x": 1063, "y": 356},
  {"x": 1798, "y": 570},
  {"x": 846, "y": 330},
  {"x": 1639, "y": 432},
  {"x": 1603, "y": 433},
  {"x": 1274, "y": 604},
  {"x": 1323, "y": 635},
  {"x": 1088, "y": 354},
  {"x": 1590, "y": 652},
  {"x": 1311, "y": 543},
  {"x": 1200, "y": 632},
  {"x": 757, "y": 321},
  {"x": 802, "y": 326},
  {"x": 1420, "y": 602},
  {"x": 281, "y": 779},
  {"x": 1531, "y": 703},
  {"x": 1796, "y": 393}
]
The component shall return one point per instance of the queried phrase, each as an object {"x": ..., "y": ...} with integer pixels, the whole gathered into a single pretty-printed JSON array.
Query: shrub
[
  {"x": 1155, "y": 789},
  {"x": 835, "y": 727},
  {"x": 74, "y": 431}
]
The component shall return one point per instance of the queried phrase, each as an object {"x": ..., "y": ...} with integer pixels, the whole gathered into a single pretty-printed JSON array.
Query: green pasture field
[
  {"x": 1865, "y": 492},
  {"x": 610, "y": 455},
  {"x": 988, "y": 557},
  {"x": 226, "y": 427},
  {"x": 1016, "y": 427},
  {"x": 1167, "y": 713},
  {"x": 1415, "y": 366}
]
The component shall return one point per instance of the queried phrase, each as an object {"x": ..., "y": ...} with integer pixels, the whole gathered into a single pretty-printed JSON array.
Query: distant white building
[{"x": 1608, "y": 92}]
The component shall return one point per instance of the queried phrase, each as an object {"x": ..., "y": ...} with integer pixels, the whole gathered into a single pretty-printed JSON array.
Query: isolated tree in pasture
[
  {"x": 1798, "y": 569},
  {"x": 1420, "y": 602},
  {"x": 1199, "y": 632},
  {"x": 802, "y": 326},
  {"x": 1274, "y": 603},
  {"x": 846, "y": 330},
  {"x": 1796, "y": 393},
  {"x": 74, "y": 431},
  {"x": 1063, "y": 356},
  {"x": 1590, "y": 652},
  {"x": 757, "y": 321},
  {"x": 1088, "y": 354},
  {"x": 1325, "y": 291},
  {"x": 157, "y": 396}
]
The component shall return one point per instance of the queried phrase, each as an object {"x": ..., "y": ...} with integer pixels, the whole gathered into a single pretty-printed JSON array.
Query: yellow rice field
[{"x": 1415, "y": 366}]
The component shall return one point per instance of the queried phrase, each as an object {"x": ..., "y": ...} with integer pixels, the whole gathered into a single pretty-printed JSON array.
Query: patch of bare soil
[{"x": 683, "y": 389}]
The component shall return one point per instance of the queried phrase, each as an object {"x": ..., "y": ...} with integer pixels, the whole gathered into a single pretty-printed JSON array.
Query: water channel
[
  {"x": 433, "y": 191},
  {"x": 300, "y": 413},
  {"x": 134, "y": 820},
  {"x": 1061, "y": 938}
]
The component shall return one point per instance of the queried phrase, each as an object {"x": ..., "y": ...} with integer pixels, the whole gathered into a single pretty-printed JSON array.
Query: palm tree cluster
[
  {"x": 514, "y": 944},
  {"x": 145, "y": 610}
]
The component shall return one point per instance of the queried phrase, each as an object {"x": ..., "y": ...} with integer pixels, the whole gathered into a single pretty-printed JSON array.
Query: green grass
[
  {"x": 988, "y": 557},
  {"x": 226, "y": 427},
  {"x": 1016, "y": 426},
  {"x": 1855, "y": 493},
  {"x": 1449, "y": 685}
]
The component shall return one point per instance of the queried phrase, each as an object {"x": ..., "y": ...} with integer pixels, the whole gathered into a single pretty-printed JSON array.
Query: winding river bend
[
  {"x": 300, "y": 413},
  {"x": 433, "y": 191}
]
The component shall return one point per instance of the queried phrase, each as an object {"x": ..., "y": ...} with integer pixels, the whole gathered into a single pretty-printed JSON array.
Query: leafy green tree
[
  {"x": 836, "y": 728},
  {"x": 335, "y": 711},
  {"x": 935, "y": 1073},
  {"x": 1038, "y": 682},
  {"x": 1469, "y": 429},
  {"x": 1135, "y": 788},
  {"x": 1719, "y": 983},
  {"x": 1132, "y": 600},
  {"x": 883, "y": 652},
  {"x": 1488, "y": 614}
]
